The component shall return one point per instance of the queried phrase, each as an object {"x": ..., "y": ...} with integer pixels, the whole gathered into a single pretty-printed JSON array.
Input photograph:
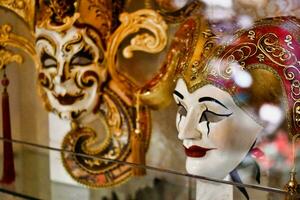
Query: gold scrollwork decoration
[
  {"x": 23, "y": 8},
  {"x": 296, "y": 113},
  {"x": 288, "y": 41},
  {"x": 261, "y": 57},
  {"x": 269, "y": 45},
  {"x": 132, "y": 23},
  {"x": 237, "y": 54},
  {"x": 68, "y": 23},
  {"x": 290, "y": 73},
  {"x": 8, "y": 38},
  {"x": 251, "y": 35},
  {"x": 7, "y": 56}
]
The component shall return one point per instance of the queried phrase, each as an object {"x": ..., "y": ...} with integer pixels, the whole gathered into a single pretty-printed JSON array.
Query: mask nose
[
  {"x": 187, "y": 128},
  {"x": 59, "y": 79},
  {"x": 62, "y": 74}
]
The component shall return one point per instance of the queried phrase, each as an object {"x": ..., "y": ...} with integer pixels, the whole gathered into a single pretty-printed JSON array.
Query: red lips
[{"x": 196, "y": 151}]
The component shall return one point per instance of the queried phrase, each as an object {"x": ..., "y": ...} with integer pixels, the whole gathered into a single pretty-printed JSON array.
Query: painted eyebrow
[
  {"x": 178, "y": 94},
  {"x": 211, "y": 99}
]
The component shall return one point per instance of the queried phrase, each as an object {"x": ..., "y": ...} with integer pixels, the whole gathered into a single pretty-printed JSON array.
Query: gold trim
[
  {"x": 67, "y": 23},
  {"x": 23, "y": 8},
  {"x": 126, "y": 156},
  {"x": 7, "y": 56},
  {"x": 132, "y": 23},
  {"x": 8, "y": 38}
]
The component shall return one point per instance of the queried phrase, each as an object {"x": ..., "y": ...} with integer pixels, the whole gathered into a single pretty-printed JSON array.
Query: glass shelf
[{"x": 33, "y": 181}]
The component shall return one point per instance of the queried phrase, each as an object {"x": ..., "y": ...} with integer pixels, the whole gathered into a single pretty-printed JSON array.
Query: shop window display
[{"x": 230, "y": 66}]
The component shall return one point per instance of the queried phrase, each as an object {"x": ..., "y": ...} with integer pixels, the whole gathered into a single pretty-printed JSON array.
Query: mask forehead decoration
[
  {"x": 77, "y": 43},
  {"x": 270, "y": 45}
]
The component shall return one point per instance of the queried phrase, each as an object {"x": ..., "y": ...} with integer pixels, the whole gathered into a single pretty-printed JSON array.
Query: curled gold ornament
[
  {"x": 68, "y": 23},
  {"x": 8, "y": 38},
  {"x": 132, "y": 23},
  {"x": 146, "y": 42},
  {"x": 23, "y": 8},
  {"x": 7, "y": 56}
]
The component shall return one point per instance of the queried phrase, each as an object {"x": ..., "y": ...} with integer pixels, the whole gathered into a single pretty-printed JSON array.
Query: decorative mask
[
  {"x": 77, "y": 44},
  {"x": 221, "y": 89},
  {"x": 72, "y": 70}
]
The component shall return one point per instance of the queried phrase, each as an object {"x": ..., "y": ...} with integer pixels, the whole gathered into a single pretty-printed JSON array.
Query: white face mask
[
  {"x": 71, "y": 72},
  {"x": 216, "y": 133}
]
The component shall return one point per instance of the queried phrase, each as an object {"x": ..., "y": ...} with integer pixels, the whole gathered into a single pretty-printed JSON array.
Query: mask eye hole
[
  {"x": 48, "y": 61},
  {"x": 82, "y": 58},
  {"x": 81, "y": 61},
  {"x": 181, "y": 110},
  {"x": 210, "y": 116}
]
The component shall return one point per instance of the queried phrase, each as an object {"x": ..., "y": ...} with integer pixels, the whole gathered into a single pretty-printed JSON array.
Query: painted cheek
[
  {"x": 202, "y": 128},
  {"x": 177, "y": 122},
  {"x": 180, "y": 122},
  {"x": 223, "y": 134}
]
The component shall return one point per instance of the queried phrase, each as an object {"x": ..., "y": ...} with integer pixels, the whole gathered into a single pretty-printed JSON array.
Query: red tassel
[{"x": 9, "y": 174}]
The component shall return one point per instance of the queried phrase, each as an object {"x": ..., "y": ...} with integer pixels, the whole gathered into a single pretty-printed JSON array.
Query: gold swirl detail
[
  {"x": 237, "y": 54},
  {"x": 269, "y": 45}
]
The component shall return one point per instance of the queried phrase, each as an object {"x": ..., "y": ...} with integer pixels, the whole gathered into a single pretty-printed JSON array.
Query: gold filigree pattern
[
  {"x": 266, "y": 47},
  {"x": 251, "y": 35},
  {"x": 8, "y": 38},
  {"x": 296, "y": 114},
  {"x": 269, "y": 45},
  {"x": 132, "y": 23},
  {"x": 288, "y": 40},
  {"x": 7, "y": 56},
  {"x": 261, "y": 57},
  {"x": 292, "y": 74},
  {"x": 23, "y": 8},
  {"x": 95, "y": 171},
  {"x": 68, "y": 23},
  {"x": 238, "y": 54}
]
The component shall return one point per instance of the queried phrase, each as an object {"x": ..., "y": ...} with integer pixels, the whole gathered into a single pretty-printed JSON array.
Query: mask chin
[
  {"x": 65, "y": 115},
  {"x": 72, "y": 115}
]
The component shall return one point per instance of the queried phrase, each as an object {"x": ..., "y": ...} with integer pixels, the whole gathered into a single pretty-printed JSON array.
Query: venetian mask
[
  {"x": 219, "y": 118},
  {"x": 77, "y": 44},
  {"x": 214, "y": 130},
  {"x": 71, "y": 72}
]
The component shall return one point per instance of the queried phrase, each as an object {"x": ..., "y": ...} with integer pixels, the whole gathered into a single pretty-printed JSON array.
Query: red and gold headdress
[{"x": 269, "y": 51}]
